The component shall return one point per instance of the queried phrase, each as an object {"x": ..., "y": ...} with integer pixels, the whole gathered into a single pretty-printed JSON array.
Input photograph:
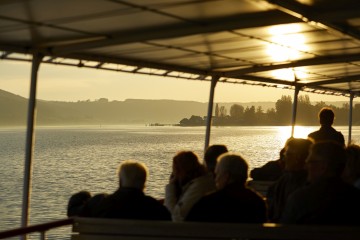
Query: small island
[{"x": 278, "y": 116}]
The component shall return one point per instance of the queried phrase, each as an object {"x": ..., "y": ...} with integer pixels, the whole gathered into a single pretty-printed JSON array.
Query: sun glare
[
  {"x": 287, "y": 44},
  {"x": 299, "y": 132},
  {"x": 289, "y": 74},
  {"x": 286, "y": 47}
]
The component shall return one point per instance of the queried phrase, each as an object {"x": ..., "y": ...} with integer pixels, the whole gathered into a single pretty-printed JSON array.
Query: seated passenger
[
  {"x": 327, "y": 199},
  {"x": 128, "y": 202},
  {"x": 77, "y": 203},
  {"x": 294, "y": 177},
  {"x": 271, "y": 171},
  {"x": 188, "y": 183},
  {"x": 211, "y": 155},
  {"x": 351, "y": 172},
  {"x": 233, "y": 201}
]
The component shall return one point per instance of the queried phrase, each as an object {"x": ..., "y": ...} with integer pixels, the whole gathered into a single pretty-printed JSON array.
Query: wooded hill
[
  {"x": 131, "y": 111},
  {"x": 102, "y": 112}
]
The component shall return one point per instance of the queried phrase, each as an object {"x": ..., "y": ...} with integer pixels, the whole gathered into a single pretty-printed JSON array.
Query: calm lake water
[{"x": 70, "y": 159}]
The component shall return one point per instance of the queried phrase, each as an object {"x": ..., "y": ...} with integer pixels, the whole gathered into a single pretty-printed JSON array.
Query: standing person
[
  {"x": 327, "y": 200},
  {"x": 326, "y": 131},
  {"x": 188, "y": 183},
  {"x": 233, "y": 201},
  {"x": 294, "y": 176},
  {"x": 128, "y": 202}
]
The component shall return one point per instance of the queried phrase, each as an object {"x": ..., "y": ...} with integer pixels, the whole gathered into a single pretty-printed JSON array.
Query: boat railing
[{"x": 38, "y": 228}]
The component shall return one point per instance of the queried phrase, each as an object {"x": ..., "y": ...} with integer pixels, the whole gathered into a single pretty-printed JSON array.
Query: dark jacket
[
  {"x": 327, "y": 133},
  {"x": 279, "y": 192},
  {"x": 271, "y": 171},
  {"x": 328, "y": 201},
  {"x": 125, "y": 203},
  {"x": 234, "y": 203}
]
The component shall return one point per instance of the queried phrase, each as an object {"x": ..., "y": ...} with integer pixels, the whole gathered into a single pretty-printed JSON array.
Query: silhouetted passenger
[
  {"x": 327, "y": 199},
  {"x": 351, "y": 172},
  {"x": 211, "y": 155},
  {"x": 128, "y": 202},
  {"x": 326, "y": 131},
  {"x": 77, "y": 203},
  {"x": 233, "y": 201},
  {"x": 294, "y": 176},
  {"x": 271, "y": 171},
  {"x": 188, "y": 183}
]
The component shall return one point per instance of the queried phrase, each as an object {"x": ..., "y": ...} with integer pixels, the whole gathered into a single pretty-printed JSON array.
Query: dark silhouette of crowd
[{"x": 316, "y": 181}]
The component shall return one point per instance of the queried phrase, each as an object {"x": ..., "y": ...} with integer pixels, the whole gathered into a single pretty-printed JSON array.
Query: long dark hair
[{"x": 186, "y": 167}]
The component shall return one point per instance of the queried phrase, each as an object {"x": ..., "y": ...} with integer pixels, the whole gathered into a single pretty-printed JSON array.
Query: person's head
[
  {"x": 211, "y": 155},
  {"x": 326, "y": 159},
  {"x": 230, "y": 168},
  {"x": 186, "y": 167},
  {"x": 352, "y": 168},
  {"x": 132, "y": 174},
  {"x": 326, "y": 116},
  {"x": 296, "y": 152}
]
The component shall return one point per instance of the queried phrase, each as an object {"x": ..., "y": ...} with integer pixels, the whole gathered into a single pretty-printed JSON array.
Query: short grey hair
[
  {"x": 235, "y": 166},
  {"x": 132, "y": 174}
]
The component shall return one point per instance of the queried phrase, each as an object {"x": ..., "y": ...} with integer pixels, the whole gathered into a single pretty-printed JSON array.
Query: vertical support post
[
  {"x": 43, "y": 235},
  {"x": 350, "y": 116},
  {"x": 294, "y": 110},
  {"x": 214, "y": 80},
  {"x": 37, "y": 57}
]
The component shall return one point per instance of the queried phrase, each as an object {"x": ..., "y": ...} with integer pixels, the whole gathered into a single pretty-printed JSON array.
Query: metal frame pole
[
  {"x": 294, "y": 110},
  {"x": 350, "y": 116},
  {"x": 214, "y": 80},
  {"x": 37, "y": 57}
]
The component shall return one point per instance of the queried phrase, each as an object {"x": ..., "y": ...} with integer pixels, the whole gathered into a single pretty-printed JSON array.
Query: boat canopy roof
[{"x": 310, "y": 44}]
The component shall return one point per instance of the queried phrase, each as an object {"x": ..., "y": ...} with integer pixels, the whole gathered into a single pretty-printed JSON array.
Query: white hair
[
  {"x": 132, "y": 174},
  {"x": 235, "y": 166}
]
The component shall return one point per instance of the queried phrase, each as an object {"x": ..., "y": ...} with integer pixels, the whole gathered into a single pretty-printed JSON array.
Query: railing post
[
  {"x": 214, "y": 80},
  {"x": 350, "y": 116},
  {"x": 43, "y": 235},
  {"x": 294, "y": 110},
  {"x": 37, "y": 57}
]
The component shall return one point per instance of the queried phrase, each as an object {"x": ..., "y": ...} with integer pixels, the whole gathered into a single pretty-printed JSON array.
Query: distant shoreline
[{"x": 14, "y": 110}]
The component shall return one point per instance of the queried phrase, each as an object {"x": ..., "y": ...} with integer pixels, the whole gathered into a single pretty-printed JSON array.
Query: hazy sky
[{"x": 64, "y": 83}]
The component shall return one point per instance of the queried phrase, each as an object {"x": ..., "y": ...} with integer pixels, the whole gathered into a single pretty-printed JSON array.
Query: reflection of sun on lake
[{"x": 284, "y": 133}]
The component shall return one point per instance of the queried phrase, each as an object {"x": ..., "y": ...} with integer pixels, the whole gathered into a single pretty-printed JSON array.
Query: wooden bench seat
[{"x": 109, "y": 229}]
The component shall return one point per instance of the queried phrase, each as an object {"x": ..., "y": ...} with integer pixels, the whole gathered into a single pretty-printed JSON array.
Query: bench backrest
[{"x": 109, "y": 229}]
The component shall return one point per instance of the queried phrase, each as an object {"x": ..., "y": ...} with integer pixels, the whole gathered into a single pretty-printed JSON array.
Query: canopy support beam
[
  {"x": 294, "y": 110},
  {"x": 214, "y": 80},
  {"x": 37, "y": 58},
  {"x": 350, "y": 116}
]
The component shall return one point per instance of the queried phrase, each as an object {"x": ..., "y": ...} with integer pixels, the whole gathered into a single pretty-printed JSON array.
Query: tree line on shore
[{"x": 307, "y": 114}]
